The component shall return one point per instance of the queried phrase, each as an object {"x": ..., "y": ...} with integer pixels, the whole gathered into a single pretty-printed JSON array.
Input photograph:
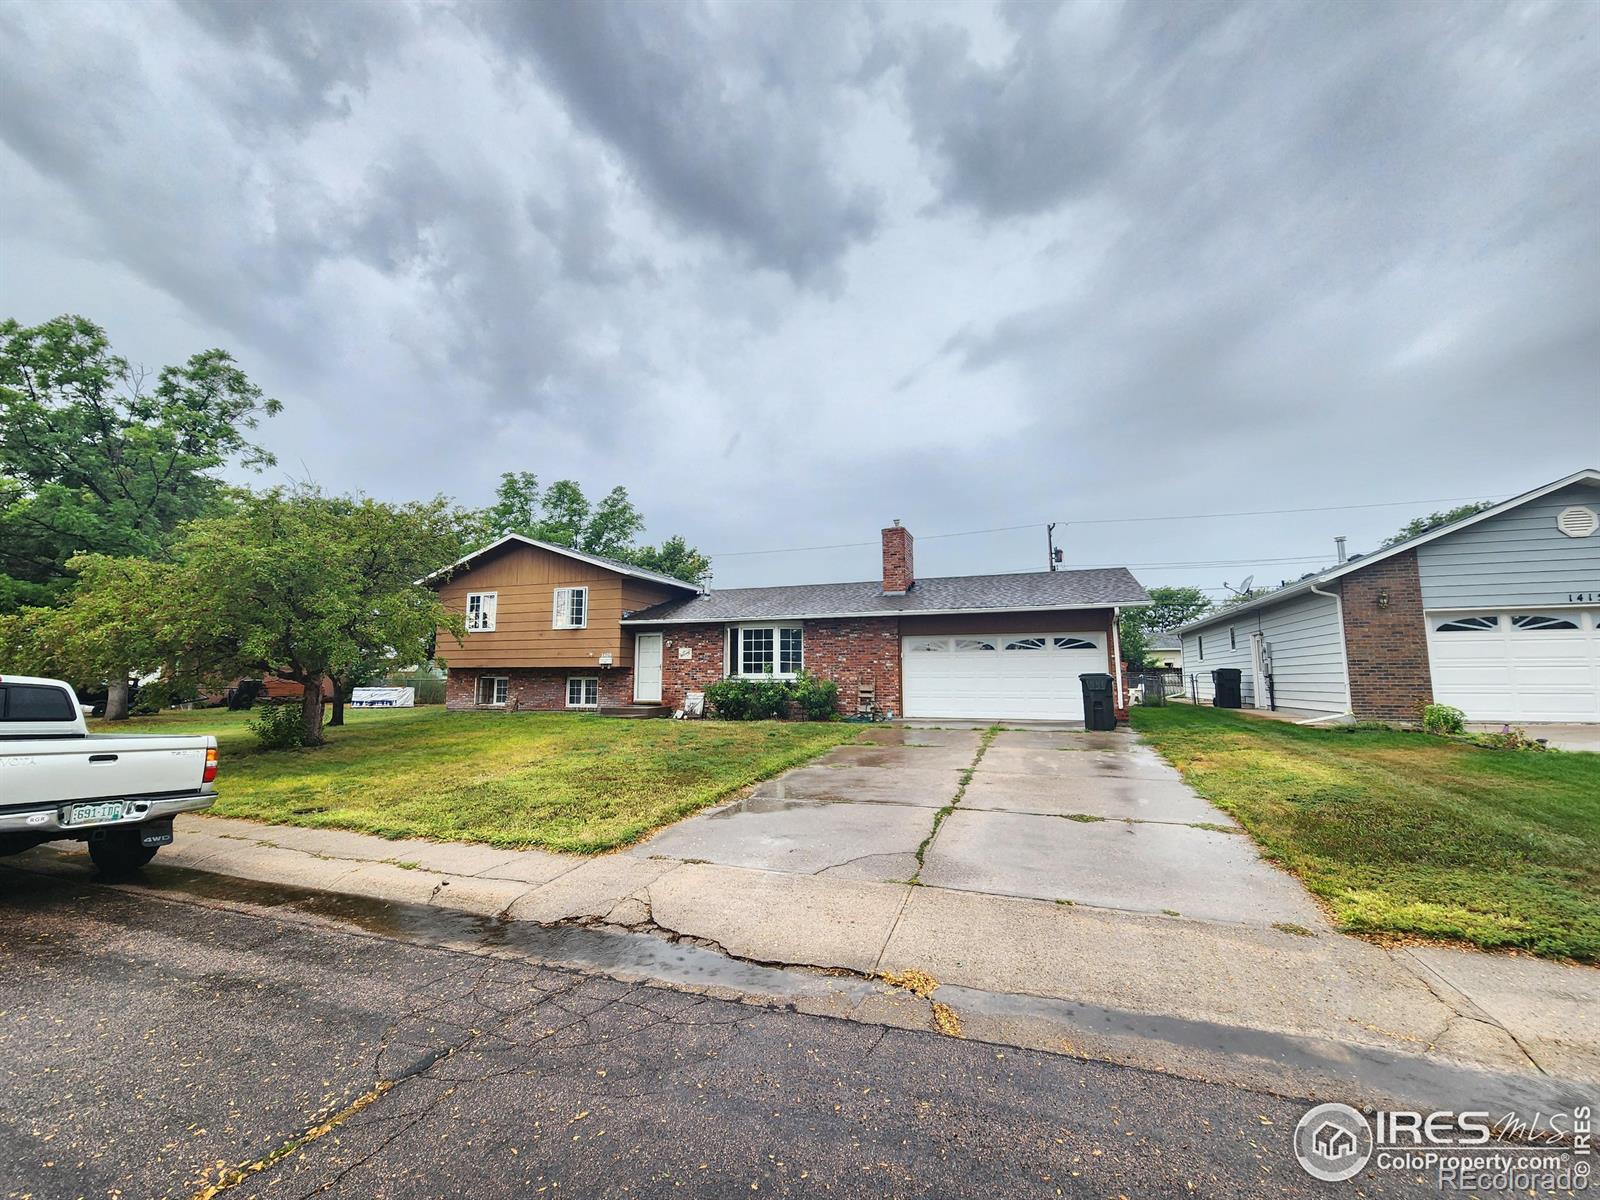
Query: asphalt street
[{"x": 155, "y": 1046}]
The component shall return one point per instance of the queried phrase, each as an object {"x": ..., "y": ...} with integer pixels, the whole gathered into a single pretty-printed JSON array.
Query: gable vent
[{"x": 1577, "y": 521}]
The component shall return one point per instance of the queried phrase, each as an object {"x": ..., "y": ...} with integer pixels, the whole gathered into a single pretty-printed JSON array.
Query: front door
[
  {"x": 647, "y": 668},
  {"x": 1258, "y": 670}
]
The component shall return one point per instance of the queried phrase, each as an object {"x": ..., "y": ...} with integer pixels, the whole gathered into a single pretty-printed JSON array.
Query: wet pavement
[
  {"x": 1091, "y": 818},
  {"x": 154, "y": 1048}
]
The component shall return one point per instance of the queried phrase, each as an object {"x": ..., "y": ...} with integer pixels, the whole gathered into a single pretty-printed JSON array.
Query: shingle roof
[
  {"x": 959, "y": 593},
  {"x": 1165, "y": 641}
]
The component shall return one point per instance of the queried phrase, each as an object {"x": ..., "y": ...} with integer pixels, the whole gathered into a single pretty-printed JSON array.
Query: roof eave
[
  {"x": 897, "y": 612},
  {"x": 566, "y": 551},
  {"x": 1587, "y": 475}
]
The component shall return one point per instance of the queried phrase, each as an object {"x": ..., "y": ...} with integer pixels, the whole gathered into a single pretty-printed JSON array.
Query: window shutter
[
  {"x": 729, "y": 649},
  {"x": 563, "y": 605}
]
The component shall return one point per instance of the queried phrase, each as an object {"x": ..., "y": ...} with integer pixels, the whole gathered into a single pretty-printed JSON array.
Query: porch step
[{"x": 637, "y": 711}]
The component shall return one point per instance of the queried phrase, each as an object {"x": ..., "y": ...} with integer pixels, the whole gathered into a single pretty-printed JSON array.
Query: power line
[{"x": 1259, "y": 512}]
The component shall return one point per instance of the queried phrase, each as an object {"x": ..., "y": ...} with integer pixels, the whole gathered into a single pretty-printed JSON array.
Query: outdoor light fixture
[{"x": 1383, "y": 599}]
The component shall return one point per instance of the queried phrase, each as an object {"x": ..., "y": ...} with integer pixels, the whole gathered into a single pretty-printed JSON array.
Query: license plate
[{"x": 93, "y": 814}]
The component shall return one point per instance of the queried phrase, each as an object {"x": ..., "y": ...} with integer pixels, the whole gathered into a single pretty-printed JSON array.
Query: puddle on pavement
[{"x": 606, "y": 950}]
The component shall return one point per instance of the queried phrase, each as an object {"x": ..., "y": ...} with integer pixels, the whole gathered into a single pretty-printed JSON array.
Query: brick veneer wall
[
  {"x": 849, "y": 652},
  {"x": 855, "y": 652},
  {"x": 1387, "y": 648},
  {"x": 536, "y": 688}
]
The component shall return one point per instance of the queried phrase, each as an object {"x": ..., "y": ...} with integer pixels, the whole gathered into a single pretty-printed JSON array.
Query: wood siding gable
[{"x": 525, "y": 579}]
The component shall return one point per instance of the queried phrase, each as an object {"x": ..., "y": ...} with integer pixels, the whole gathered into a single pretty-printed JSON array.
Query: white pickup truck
[{"x": 118, "y": 793}]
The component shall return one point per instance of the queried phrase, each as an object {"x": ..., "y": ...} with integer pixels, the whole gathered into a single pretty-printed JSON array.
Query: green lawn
[
  {"x": 1408, "y": 834},
  {"x": 557, "y": 781}
]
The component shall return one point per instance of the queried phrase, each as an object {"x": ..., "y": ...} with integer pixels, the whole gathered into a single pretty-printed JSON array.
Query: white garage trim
[
  {"x": 1009, "y": 676},
  {"x": 1535, "y": 664}
]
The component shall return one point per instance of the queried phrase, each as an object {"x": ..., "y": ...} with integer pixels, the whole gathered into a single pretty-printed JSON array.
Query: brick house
[
  {"x": 551, "y": 628},
  {"x": 1497, "y": 614}
]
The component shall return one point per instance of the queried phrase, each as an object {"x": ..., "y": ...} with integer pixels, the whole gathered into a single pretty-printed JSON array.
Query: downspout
[
  {"x": 1344, "y": 653},
  {"x": 1116, "y": 654}
]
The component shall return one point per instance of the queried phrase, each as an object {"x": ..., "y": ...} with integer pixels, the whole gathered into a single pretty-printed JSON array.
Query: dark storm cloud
[
  {"x": 511, "y": 268},
  {"x": 791, "y": 270},
  {"x": 300, "y": 60},
  {"x": 725, "y": 126},
  {"x": 1281, "y": 181}
]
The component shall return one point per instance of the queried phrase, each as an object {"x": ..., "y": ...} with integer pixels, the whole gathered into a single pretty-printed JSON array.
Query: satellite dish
[{"x": 1245, "y": 586}]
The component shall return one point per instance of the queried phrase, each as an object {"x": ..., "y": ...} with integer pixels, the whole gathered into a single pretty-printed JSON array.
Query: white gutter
[
  {"x": 1116, "y": 650},
  {"x": 1344, "y": 653}
]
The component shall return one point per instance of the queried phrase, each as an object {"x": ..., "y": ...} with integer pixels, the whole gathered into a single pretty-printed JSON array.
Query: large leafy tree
[
  {"x": 1421, "y": 525},
  {"x": 673, "y": 557},
  {"x": 97, "y": 457},
  {"x": 112, "y": 626},
  {"x": 303, "y": 587},
  {"x": 564, "y": 515},
  {"x": 1169, "y": 608}
]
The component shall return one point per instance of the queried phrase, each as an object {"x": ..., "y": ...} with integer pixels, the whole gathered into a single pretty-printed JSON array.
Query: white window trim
[
  {"x": 561, "y": 604},
  {"x": 477, "y": 695},
  {"x": 488, "y": 606},
  {"x": 571, "y": 679},
  {"x": 736, "y": 665}
]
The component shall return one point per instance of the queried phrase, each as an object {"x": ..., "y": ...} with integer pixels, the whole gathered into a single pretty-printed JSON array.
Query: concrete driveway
[{"x": 1075, "y": 817}]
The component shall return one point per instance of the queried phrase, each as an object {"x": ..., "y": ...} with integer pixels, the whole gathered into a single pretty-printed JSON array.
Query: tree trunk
[
  {"x": 117, "y": 699},
  {"x": 311, "y": 713},
  {"x": 339, "y": 691}
]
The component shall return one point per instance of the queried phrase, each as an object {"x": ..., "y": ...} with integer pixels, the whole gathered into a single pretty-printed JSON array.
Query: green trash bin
[{"x": 1099, "y": 700}]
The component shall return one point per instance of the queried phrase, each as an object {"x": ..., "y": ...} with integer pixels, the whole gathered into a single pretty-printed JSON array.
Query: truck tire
[{"x": 120, "y": 852}]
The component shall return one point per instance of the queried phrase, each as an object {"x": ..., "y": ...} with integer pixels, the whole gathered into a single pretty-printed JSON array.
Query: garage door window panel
[
  {"x": 977, "y": 644},
  {"x": 1469, "y": 625},
  {"x": 1539, "y": 622},
  {"x": 1074, "y": 643},
  {"x": 1026, "y": 643}
]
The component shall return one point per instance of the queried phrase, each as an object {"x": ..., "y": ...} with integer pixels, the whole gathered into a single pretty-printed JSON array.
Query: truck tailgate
[{"x": 96, "y": 768}]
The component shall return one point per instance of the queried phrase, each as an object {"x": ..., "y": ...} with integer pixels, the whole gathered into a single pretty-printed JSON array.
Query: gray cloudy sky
[{"x": 789, "y": 271}]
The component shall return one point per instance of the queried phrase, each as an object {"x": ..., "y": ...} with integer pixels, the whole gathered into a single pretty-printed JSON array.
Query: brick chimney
[{"x": 897, "y": 573}]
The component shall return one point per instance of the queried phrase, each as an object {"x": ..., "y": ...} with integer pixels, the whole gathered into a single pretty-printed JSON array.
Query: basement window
[
  {"x": 492, "y": 690},
  {"x": 583, "y": 691}
]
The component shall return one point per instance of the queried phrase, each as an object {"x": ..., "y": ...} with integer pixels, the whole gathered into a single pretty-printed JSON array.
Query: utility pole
[{"x": 1054, "y": 555}]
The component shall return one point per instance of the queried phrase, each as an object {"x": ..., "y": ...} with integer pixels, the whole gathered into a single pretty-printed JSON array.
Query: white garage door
[
  {"x": 1020, "y": 676},
  {"x": 1534, "y": 665}
]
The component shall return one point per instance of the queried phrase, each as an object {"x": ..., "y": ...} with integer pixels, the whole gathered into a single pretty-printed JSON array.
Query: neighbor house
[
  {"x": 1165, "y": 650},
  {"x": 552, "y": 628},
  {"x": 1497, "y": 614}
]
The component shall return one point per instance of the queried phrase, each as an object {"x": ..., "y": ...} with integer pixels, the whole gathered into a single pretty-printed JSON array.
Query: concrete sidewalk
[{"x": 1174, "y": 993}]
